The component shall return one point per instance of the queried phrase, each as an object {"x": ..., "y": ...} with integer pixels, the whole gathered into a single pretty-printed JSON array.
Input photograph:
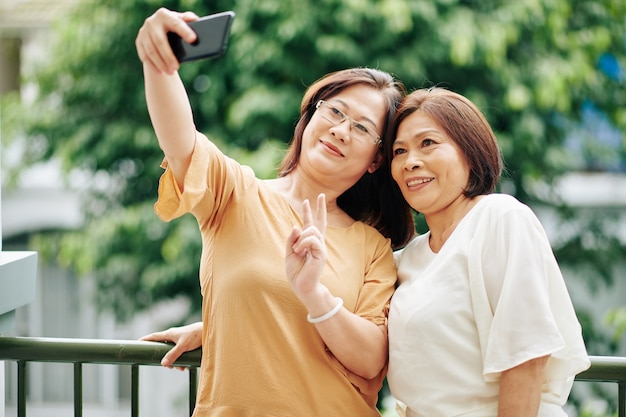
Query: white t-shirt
[{"x": 491, "y": 299}]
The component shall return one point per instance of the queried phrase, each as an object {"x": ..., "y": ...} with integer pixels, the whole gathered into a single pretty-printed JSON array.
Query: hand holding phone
[{"x": 212, "y": 38}]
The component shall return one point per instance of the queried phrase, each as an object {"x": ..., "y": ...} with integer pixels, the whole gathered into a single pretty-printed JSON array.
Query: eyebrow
[
  {"x": 418, "y": 135},
  {"x": 366, "y": 119}
]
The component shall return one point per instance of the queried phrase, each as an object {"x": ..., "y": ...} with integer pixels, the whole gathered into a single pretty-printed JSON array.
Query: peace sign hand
[{"x": 306, "y": 250}]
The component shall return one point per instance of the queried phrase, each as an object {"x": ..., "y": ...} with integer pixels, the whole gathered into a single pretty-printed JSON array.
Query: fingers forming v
[
  {"x": 320, "y": 215},
  {"x": 319, "y": 220},
  {"x": 307, "y": 214}
]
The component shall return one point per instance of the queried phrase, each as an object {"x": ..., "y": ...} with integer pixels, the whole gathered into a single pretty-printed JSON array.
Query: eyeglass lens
[{"x": 336, "y": 116}]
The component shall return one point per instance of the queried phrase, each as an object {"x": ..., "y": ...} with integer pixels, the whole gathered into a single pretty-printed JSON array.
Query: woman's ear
[{"x": 376, "y": 163}]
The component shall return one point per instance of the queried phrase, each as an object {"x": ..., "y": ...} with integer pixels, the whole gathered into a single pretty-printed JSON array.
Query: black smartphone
[{"x": 213, "y": 32}]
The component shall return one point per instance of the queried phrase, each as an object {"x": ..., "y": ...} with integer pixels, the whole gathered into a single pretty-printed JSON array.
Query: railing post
[
  {"x": 621, "y": 403},
  {"x": 134, "y": 387},
  {"x": 78, "y": 389},
  {"x": 2, "y": 390},
  {"x": 193, "y": 387},
  {"x": 21, "y": 388}
]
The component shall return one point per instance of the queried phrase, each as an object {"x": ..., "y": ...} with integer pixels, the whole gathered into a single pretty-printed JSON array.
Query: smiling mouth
[
  {"x": 415, "y": 183},
  {"x": 332, "y": 147}
]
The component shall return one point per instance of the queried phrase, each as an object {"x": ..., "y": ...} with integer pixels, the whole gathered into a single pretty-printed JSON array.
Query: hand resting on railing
[{"x": 185, "y": 339}]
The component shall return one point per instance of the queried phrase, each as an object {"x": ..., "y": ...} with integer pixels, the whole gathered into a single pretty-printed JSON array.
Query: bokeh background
[{"x": 80, "y": 161}]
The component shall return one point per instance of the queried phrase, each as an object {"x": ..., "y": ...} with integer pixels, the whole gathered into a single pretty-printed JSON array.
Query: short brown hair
[{"x": 468, "y": 128}]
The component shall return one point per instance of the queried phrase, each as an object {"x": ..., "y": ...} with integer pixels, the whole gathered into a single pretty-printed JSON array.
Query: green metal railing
[
  {"x": 608, "y": 369},
  {"x": 92, "y": 351},
  {"x": 138, "y": 353}
]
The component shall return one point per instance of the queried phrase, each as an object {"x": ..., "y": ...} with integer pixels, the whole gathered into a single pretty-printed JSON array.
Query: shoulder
[
  {"x": 499, "y": 207},
  {"x": 498, "y": 215},
  {"x": 502, "y": 217},
  {"x": 209, "y": 160},
  {"x": 365, "y": 231},
  {"x": 417, "y": 244},
  {"x": 501, "y": 202},
  {"x": 361, "y": 237}
]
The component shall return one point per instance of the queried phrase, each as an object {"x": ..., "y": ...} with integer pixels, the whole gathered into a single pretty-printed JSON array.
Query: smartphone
[{"x": 213, "y": 32}]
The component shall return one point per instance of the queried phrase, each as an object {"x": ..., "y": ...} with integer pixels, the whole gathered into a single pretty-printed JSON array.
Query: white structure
[{"x": 63, "y": 304}]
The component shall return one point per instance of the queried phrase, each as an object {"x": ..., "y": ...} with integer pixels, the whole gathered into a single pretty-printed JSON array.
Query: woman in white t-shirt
[{"x": 481, "y": 323}]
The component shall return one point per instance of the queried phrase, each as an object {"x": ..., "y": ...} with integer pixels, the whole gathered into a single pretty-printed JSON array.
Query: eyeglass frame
[{"x": 374, "y": 140}]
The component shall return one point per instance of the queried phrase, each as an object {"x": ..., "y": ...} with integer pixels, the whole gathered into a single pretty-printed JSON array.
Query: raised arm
[{"x": 168, "y": 104}]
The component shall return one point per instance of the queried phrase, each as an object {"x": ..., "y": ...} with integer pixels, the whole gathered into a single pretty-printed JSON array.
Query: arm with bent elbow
[{"x": 360, "y": 345}]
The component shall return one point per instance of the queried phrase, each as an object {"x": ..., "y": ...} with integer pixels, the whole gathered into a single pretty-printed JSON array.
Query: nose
[
  {"x": 412, "y": 162},
  {"x": 343, "y": 129}
]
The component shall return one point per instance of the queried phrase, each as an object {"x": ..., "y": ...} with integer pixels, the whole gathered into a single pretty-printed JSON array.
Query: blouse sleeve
[
  {"x": 209, "y": 183},
  {"x": 533, "y": 315}
]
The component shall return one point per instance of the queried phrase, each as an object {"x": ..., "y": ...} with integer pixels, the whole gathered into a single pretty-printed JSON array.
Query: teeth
[{"x": 418, "y": 182}]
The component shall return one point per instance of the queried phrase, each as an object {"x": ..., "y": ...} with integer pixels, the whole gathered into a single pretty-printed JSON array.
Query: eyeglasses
[{"x": 336, "y": 116}]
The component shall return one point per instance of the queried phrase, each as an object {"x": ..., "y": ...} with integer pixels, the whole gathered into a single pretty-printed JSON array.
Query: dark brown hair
[
  {"x": 468, "y": 128},
  {"x": 373, "y": 199}
]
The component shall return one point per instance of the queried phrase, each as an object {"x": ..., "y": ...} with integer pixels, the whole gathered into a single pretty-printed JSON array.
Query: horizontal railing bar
[
  {"x": 137, "y": 352},
  {"x": 605, "y": 369},
  {"x": 101, "y": 351},
  {"x": 104, "y": 351}
]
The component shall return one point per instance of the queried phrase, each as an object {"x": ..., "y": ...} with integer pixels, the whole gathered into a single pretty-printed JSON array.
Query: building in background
[{"x": 64, "y": 305}]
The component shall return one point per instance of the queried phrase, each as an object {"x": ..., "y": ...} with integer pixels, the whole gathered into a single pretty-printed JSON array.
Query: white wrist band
[{"x": 328, "y": 315}]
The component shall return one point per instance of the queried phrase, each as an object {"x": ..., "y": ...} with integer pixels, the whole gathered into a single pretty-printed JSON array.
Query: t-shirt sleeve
[
  {"x": 532, "y": 311},
  {"x": 379, "y": 283},
  {"x": 209, "y": 183}
]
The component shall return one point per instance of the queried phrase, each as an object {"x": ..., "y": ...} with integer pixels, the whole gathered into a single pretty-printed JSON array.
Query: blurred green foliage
[{"x": 530, "y": 66}]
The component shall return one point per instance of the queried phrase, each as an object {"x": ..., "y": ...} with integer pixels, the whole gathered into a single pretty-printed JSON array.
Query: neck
[
  {"x": 295, "y": 189},
  {"x": 444, "y": 222}
]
